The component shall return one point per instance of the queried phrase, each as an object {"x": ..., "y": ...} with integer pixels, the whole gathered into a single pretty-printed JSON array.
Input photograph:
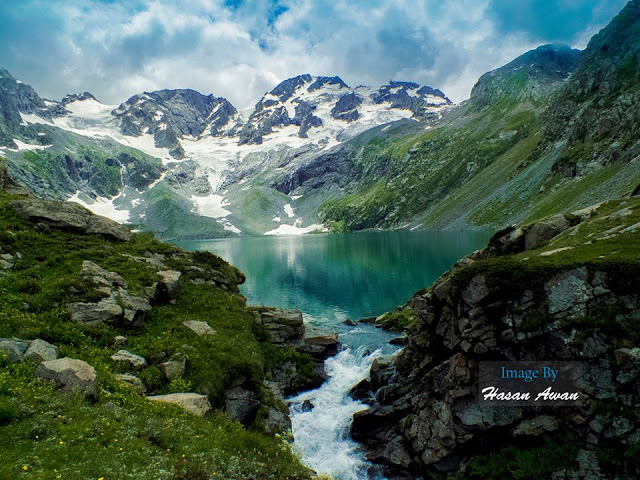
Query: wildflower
[
  {"x": 61, "y": 442},
  {"x": 25, "y": 468}
]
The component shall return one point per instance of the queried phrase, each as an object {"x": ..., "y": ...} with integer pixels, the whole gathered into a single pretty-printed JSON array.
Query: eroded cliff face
[{"x": 561, "y": 289}]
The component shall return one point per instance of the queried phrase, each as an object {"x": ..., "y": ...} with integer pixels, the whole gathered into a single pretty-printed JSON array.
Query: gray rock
[
  {"x": 41, "y": 351},
  {"x": 540, "y": 232},
  {"x": 129, "y": 360},
  {"x": 119, "y": 340},
  {"x": 106, "y": 310},
  {"x": 285, "y": 327},
  {"x": 476, "y": 291},
  {"x": 70, "y": 375},
  {"x": 173, "y": 368},
  {"x": 199, "y": 328},
  {"x": 69, "y": 216},
  {"x": 276, "y": 418},
  {"x": 12, "y": 350},
  {"x": 132, "y": 381},
  {"x": 536, "y": 426},
  {"x": 568, "y": 292},
  {"x": 619, "y": 427},
  {"x": 627, "y": 356},
  {"x": 193, "y": 403},
  {"x": 241, "y": 403},
  {"x": 101, "y": 277},
  {"x": 169, "y": 285}
]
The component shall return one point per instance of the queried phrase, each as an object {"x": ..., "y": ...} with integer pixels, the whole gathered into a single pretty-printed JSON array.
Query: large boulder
[
  {"x": 106, "y": 310},
  {"x": 193, "y": 403},
  {"x": 168, "y": 287},
  {"x": 544, "y": 230},
  {"x": 41, "y": 351},
  {"x": 69, "y": 216},
  {"x": 70, "y": 375}
]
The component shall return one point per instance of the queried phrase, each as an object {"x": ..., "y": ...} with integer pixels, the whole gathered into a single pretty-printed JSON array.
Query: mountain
[
  {"x": 529, "y": 77},
  {"x": 553, "y": 129},
  {"x": 186, "y": 164}
]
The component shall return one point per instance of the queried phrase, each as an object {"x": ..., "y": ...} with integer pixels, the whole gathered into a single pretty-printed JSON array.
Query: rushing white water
[{"x": 322, "y": 434}]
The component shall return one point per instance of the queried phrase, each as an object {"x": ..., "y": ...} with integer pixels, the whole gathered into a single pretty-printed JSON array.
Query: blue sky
[{"x": 239, "y": 49}]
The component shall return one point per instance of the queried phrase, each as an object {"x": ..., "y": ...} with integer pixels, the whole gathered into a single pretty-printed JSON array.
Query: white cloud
[{"x": 116, "y": 49}]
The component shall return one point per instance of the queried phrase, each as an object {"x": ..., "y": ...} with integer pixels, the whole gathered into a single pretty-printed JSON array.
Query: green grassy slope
[
  {"x": 528, "y": 143},
  {"x": 45, "y": 434}
]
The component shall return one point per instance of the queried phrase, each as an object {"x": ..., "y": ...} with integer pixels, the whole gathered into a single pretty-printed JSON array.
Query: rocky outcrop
[
  {"x": 70, "y": 375},
  {"x": 7, "y": 184},
  {"x": 425, "y": 417},
  {"x": 193, "y": 403},
  {"x": 284, "y": 327},
  {"x": 116, "y": 307},
  {"x": 241, "y": 401},
  {"x": 69, "y": 216}
]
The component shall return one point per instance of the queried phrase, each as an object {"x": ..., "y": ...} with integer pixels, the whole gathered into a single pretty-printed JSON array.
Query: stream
[{"x": 332, "y": 278}]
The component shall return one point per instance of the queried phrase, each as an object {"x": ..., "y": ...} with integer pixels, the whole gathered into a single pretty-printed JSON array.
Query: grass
[
  {"x": 530, "y": 462},
  {"x": 399, "y": 320},
  {"x": 45, "y": 434}
]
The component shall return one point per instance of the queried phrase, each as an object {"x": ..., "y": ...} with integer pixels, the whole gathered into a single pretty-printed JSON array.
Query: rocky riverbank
[{"x": 564, "y": 288}]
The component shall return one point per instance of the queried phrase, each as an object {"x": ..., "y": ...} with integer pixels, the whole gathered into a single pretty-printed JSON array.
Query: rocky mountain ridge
[{"x": 203, "y": 143}]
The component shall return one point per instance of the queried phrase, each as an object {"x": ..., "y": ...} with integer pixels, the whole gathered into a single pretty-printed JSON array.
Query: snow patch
[
  {"x": 26, "y": 146},
  {"x": 293, "y": 230},
  {"x": 102, "y": 206},
  {"x": 211, "y": 206},
  {"x": 288, "y": 209}
]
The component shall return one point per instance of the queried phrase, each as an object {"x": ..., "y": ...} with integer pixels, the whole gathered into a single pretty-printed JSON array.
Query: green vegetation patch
[{"x": 45, "y": 434}]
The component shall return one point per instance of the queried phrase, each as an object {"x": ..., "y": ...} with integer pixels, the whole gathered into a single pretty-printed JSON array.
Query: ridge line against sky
[{"x": 240, "y": 49}]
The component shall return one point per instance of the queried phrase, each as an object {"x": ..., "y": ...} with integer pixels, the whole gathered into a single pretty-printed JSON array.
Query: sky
[{"x": 240, "y": 49}]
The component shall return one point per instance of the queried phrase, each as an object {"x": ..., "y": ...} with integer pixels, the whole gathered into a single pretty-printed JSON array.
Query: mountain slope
[
  {"x": 553, "y": 129},
  {"x": 76, "y": 299}
]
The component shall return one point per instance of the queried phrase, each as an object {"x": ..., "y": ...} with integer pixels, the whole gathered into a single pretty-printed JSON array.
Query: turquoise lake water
[{"x": 332, "y": 277}]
